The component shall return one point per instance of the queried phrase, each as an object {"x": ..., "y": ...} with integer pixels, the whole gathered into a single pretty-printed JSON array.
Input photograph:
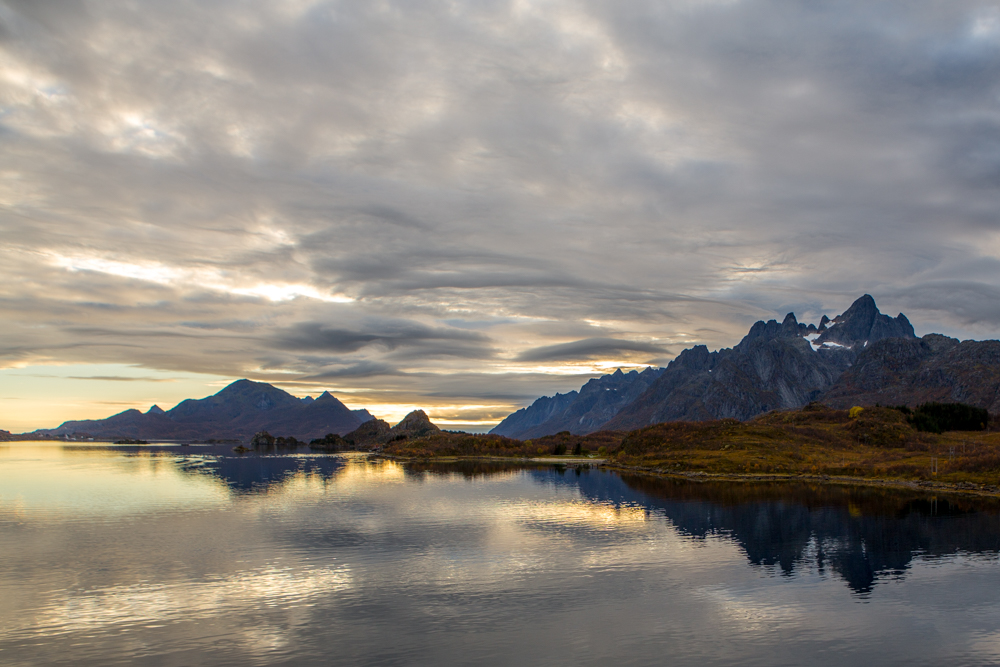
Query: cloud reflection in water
[{"x": 308, "y": 559}]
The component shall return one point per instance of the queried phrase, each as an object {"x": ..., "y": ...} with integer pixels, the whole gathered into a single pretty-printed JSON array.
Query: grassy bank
[
  {"x": 448, "y": 444},
  {"x": 875, "y": 443}
]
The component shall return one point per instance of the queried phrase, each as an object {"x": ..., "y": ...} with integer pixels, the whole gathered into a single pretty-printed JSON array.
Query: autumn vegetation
[
  {"x": 871, "y": 442},
  {"x": 446, "y": 443}
]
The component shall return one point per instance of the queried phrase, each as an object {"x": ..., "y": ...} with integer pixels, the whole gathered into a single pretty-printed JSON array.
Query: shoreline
[
  {"x": 960, "y": 488},
  {"x": 573, "y": 462}
]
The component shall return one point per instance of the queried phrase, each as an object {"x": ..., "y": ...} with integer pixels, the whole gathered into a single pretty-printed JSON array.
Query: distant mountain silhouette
[
  {"x": 578, "y": 412},
  {"x": 261, "y": 474},
  {"x": 238, "y": 411}
]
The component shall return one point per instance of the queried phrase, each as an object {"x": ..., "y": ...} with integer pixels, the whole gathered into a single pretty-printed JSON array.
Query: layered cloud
[
  {"x": 591, "y": 348},
  {"x": 437, "y": 203}
]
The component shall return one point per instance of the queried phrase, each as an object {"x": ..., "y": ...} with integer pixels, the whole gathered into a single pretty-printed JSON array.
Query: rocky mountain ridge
[{"x": 777, "y": 365}]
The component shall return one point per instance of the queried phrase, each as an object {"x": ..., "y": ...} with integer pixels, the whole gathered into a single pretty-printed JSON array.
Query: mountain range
[
  {"x": 860, "y": 357},
  {"x": 237, "y": 412}
]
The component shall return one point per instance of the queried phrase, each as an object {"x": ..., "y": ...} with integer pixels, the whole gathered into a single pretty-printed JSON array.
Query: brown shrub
[
  {"x": 881, "y": 427},
  {"x": 984, "y": 463},
  {"x": 813, "y": 413}
]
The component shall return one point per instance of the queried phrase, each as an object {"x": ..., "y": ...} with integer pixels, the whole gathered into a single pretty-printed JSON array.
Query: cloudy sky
[{"x": 462, "y": 206}]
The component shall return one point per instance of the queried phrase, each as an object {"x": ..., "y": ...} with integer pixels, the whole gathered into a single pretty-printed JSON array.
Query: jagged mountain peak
[
  {"x": 863, "y": 324},
  {"x": 326, "y": 398},
  {"x": 864, "y": 304},
  {"x": 155, "y": 410}
]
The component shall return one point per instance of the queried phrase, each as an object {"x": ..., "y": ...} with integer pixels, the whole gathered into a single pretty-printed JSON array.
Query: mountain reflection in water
[
  {"x": 261, "y": 474},
  {"x": 861, "y": 534}
]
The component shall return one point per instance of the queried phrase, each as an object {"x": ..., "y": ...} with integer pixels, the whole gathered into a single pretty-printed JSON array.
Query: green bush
[{"x": 939, "y": 417}]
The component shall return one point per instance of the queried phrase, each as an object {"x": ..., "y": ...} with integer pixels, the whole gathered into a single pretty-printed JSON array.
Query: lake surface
[{"x": 196, "y": 556}]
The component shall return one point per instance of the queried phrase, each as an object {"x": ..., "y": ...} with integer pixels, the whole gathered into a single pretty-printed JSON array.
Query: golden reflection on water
[
  {"x": 361, "y": 473},
  {"x": 58, "y": 481},
  {"x": 580, "y": 513}
]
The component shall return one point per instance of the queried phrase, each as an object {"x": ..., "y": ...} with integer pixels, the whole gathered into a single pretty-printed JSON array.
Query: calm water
[{"x": 187, "y": 557}]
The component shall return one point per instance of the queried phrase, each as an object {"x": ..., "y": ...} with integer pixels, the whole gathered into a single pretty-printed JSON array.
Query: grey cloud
[
  {"x": 389, "y": 336},
  {"x": 964, "y": 302},
  {"x": 595, "y": 170},
  {"x": 365, "y": 369},
  {"x": 117, "y": 378},
  {"x": 589, "y": 348}
]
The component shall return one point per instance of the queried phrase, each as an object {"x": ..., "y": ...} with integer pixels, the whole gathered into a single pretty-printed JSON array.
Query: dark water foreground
[{"x": 115, "y": 555}]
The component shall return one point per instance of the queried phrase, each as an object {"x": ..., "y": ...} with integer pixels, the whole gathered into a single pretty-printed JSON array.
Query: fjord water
[{"x": 191, "y": 556}]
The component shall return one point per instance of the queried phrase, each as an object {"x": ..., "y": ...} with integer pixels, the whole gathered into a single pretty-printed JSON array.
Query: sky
[{"x": 462, "y": 206}]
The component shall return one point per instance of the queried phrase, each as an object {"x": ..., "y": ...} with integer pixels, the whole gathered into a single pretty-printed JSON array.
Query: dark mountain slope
[
  {"x": 363, "y": 415},
  {"x": 539, "y": 412},
  {"x": 241, "y": 398},
  {"x": 580, "y": 412},
  {"x": 911, "y": 372},
  {"x": 127, "y": 424},
  {"x": 324, "y": 415},
  {"x": 372, "y": 432}
]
